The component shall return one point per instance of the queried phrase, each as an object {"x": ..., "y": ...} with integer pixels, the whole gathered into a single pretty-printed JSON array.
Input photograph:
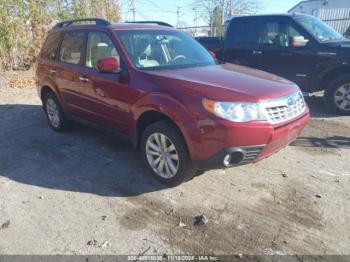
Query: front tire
[
  {"x": 337, "y": 95},
  {"x": 54, "y": 113},
  {"x": 165, "y": 153}
]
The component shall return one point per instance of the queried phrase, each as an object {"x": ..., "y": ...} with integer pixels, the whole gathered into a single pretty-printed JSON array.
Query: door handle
[
  {"x": 100, "y": 92},
  {"x": 286, "y": 54},
  {"x": 257, "y": 52},
  {"x": 84, "y": 79}
]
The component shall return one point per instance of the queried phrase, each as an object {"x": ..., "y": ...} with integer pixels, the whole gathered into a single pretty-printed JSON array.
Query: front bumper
[
  {"x": 230, "y": 157},
  {"x": 249, "y": 144}
]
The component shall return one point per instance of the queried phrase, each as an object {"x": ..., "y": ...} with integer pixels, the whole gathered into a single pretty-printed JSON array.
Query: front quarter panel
[{"x": 183, "y": 117}]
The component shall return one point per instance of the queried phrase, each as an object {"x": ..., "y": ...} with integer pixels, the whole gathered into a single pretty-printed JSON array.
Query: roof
[
  {"x": 135, "y": 26},
  {"x": 272, "y": 15},
  {"x": 102, "y": 23}
]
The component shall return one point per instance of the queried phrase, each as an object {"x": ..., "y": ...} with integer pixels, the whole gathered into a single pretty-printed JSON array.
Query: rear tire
[
  {"x": 54, "y": 113},
  {"x": 165, "y": 153},
  {"x": 337, "y": 95}
]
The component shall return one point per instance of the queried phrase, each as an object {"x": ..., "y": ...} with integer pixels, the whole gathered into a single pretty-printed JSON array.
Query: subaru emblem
[{"x": 290, "y": 101}]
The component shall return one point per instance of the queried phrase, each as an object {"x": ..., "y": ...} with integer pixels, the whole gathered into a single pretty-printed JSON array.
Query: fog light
[
  {"x": 237, "y": 157},
  {"x": 227, "y": 160},
  {"x": 233, "y": 159}
]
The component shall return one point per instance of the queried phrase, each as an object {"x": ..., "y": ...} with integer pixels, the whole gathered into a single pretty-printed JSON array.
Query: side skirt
[{"x": 118, "y": 135}]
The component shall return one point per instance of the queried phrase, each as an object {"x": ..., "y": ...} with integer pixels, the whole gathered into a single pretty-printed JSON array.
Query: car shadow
[
  {"x": 318, "y": 108},
  {"x": 82, "y": 160},
  {"x": 88, "y": 160},
  {"x": 336, "y": 142}
]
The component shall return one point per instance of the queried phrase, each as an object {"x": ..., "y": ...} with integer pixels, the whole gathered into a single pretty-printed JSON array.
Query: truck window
[
  {"x": 321, "y": 31},
  {"x": 240, "y": 32},
  {"x": 277, "y": 33},
  {"x": 50, "y": 47}
]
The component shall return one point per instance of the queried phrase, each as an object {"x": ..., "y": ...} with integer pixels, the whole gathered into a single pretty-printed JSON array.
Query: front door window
[
  {"x": 99, "y": 46},
  {"x": 277, "y": 34}
]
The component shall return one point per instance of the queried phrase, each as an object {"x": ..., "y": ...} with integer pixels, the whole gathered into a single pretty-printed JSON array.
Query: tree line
[{"x": 24, "y": 25}]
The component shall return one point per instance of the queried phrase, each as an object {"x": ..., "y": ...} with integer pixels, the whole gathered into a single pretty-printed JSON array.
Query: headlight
[{"x": 235, "y": 112}]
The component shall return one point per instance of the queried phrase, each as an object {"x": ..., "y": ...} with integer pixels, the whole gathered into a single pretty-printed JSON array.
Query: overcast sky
[{"x": 166, "y": 10}]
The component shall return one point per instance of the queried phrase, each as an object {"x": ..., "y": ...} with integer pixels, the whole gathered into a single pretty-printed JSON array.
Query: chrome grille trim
[
  {"x": 285, "y": 108},
  {"x": 250, "y": 153}
]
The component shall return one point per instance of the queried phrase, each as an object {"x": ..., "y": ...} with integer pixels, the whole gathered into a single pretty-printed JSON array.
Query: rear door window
[
  {"x": 240, "y": 32},
  {"x": 50, "y": 47},
  {"x": 72, "y": 47}
]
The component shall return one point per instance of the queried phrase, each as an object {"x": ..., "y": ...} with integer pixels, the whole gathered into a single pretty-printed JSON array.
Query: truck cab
[{"x": 300, "y": 48}]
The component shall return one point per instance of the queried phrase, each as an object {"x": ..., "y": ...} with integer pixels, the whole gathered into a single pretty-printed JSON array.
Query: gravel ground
[{"x": 85, "y": 192}]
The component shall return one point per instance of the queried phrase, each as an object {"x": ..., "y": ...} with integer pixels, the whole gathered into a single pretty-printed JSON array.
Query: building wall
[
  {"x": 335, "y": 13},
  {"x": 308, "y": 7}
]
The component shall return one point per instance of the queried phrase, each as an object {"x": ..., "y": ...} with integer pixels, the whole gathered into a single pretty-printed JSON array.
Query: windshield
[
  {"x": 318, "y": 29},
  {"x": 162, "y": 49}
]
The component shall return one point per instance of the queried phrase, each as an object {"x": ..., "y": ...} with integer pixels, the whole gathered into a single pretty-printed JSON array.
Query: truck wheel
[
  {"x": 337, "y": 95},
  {"x": 164, "y": 152},
  {"x": 57, "y": 119}
]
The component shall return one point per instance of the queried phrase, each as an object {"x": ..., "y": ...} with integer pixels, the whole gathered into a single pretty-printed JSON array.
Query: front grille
[{"x": 285, "y": 108}]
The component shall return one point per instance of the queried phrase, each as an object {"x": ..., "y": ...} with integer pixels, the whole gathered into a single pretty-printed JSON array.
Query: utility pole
[
  {"x": 195, "y": 19},
  {"x": 212, "y": 22},
  {"x": 133, "y": 10},
  {"x": 178, "y": 16}
]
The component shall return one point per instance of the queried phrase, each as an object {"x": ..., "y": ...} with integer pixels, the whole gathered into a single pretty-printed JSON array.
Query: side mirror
[
  {"x": 108, "y": 65},
  {"x": 299, "y": 41},
  {"x": 213, "y": 55}
]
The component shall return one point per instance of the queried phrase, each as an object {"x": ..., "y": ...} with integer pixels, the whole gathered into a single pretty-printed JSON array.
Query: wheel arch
[
  {"x": 333, "y": 74},
  {"x": 44, "y": 90},
  {"x": 158, "y": 107},
  {"x": 150, "y": 117},
  {"x": 47, "y": 87}
]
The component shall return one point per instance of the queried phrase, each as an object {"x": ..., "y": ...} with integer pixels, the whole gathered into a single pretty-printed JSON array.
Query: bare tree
[
  {"x": 206, "y": 8},
  {"x": 242, "y": 7},
  {"x": 214, "y": 12}
]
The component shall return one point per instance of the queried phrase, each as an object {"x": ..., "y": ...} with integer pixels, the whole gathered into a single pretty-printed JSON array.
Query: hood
[{"x": 226, "y": 82}]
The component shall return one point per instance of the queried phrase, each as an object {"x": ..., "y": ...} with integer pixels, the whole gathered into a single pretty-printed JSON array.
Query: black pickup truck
[{"x": 298, "y": 47}]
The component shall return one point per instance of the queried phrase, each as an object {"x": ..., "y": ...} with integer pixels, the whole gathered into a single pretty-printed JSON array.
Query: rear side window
[
  {"x": 72, "y": 47},
  {"x": 241, "y": 32},
  {"x": 50, "y": 47}
]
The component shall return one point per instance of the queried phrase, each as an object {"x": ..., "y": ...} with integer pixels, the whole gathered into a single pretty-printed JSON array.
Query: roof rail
[
  {"x": 98, "y": 21},
  {"x": 151, "y": 22}
]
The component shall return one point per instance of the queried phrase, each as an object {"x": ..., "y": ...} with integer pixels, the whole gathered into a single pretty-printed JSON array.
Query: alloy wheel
[
  {"x": 53, "y": 112},
  {"x": 342, "y": 97},
  {"x": 162, "y": 155}
]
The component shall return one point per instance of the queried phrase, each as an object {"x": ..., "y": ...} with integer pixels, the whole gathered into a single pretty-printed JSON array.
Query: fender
[
  {"x": 340, "y": 69},
  {"x": 174, "y": 110},
  {"x": 49, "y": 84}
]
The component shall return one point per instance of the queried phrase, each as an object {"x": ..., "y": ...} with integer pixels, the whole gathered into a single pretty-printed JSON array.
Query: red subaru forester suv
[{"x": 164, "y": 92}]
